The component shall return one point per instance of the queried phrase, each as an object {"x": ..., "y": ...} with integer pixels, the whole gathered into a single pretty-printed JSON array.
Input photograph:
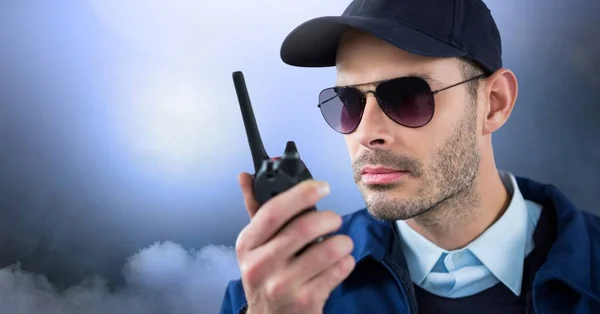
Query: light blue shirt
[{"x": 495, "y": 256}]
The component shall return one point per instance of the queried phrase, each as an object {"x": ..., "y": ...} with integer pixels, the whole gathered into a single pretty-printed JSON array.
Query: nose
[{"x": 374, "y": 130}]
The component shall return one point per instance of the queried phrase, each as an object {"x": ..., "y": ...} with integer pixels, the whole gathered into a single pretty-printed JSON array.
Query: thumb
[{"x": 246, "y": 183}]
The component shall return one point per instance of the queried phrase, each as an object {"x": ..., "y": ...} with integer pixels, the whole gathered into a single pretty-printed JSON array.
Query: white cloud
[{"x": 161, "y": 279}]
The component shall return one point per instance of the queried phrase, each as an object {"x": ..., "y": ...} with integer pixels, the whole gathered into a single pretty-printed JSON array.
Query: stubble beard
[{"x": 446, "y": 185}]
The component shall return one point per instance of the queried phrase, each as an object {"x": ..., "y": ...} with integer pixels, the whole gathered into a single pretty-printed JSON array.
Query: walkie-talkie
[{"x": 272, "y": 175}]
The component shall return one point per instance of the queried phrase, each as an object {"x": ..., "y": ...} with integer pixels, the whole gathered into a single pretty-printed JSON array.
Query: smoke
[{"x": 161, "y": 279}]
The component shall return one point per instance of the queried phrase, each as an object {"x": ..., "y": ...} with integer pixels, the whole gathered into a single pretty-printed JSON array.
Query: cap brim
[{"x": 314, "y": 43}]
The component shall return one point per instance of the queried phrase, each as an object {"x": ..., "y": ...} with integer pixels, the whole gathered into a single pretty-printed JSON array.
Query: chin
[
  {"x": 398, "y": 190},
  {"x": 392, "y": 204}
]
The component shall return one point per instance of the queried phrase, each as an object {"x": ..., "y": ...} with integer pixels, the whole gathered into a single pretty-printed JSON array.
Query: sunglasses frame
[{"x": 381, "y": 105}]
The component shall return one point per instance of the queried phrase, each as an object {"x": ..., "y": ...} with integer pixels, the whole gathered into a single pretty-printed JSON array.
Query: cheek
[
  {"x": 415, "y": 144},
  {"x": 424, "y": 143},
  {"x": 449, "y": 114},
  {"x": 421, "y": 141}
]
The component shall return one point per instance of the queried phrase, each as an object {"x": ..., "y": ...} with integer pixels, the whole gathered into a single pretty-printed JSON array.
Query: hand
[{"x": 275, "y": 279}]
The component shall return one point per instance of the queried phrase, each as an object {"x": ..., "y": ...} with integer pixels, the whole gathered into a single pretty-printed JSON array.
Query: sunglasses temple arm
[
  {"x": 460, "y": 83},
  {"x": 319, "y": 105}
]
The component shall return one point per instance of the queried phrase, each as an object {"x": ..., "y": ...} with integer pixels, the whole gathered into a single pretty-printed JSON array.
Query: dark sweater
[{"x": 497, "y": 299}]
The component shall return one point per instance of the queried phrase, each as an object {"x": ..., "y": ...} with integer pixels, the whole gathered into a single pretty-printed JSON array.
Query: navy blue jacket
[{"x": 567, "y": 282}]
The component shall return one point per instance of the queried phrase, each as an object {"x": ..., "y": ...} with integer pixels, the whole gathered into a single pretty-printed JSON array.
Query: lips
[
  {"x": 378, "y": 170},
  {"x": 382, "y": 175}
]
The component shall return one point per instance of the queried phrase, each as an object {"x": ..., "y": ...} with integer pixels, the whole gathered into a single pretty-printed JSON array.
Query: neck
[{"x": 455, "y": 222}]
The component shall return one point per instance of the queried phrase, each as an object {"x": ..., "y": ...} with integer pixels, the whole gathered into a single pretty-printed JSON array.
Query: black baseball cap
[{"x": 436, "y": 28}]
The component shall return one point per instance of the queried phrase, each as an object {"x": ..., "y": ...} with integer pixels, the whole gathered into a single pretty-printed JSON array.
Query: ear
[{"x": 501, "y": 92}]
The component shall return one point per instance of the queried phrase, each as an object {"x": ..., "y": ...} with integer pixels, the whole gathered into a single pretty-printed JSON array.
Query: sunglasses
[{"x": 407, "y": 101}]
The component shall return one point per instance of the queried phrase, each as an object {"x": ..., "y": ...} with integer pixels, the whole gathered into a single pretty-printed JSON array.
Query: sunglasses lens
[
  {"x": 407, "y": 100},
  {"x": 341, "y": 108}
]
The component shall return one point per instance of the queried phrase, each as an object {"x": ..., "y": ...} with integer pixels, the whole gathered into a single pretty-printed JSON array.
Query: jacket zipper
[{"x": 401, "y": 286}]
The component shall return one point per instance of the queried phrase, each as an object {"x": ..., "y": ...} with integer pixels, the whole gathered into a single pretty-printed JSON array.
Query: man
[{"x": 420, "y": 89}]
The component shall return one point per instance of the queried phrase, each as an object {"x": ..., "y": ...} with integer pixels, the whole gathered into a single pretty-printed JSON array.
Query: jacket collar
[
  {"x": 372, "y": 237},
  {"x": 569, "y": 260},
  {"x": 576, "y": 249}
]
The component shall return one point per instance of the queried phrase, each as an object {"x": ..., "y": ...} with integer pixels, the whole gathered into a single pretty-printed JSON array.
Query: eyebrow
[{"x": 427, "y": 77}]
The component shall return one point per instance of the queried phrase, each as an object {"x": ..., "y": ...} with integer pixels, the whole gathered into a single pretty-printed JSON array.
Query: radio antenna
[{"x": 257, "y": 149}]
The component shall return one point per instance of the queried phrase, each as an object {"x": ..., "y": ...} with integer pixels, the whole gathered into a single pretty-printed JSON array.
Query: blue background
[{"x": 121, "y": 137}]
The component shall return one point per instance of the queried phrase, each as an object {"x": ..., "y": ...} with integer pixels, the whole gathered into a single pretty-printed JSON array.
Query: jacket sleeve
[{"x": 234, "y": 301}]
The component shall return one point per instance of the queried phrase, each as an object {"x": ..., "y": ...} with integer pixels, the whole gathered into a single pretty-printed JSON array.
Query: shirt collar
[
  {"x": 501, "y": 248},
  {"x": 421, "y": 254}
]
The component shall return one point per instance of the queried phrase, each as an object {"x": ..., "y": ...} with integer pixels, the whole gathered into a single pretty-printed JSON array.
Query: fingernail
[{"x": 323, "y": 188}]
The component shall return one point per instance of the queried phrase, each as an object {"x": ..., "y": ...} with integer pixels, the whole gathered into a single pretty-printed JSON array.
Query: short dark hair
[{"x": 470, "y": 69}]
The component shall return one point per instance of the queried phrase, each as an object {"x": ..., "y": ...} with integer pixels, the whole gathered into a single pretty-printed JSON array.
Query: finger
[
  {"x": 317, "y": 260},
  {"x": 247, "y": 186},
  {"x": 320, "y": 287},
  {"x": 300, "y": 232},
  {"x": 319, "y": 257},
  {"x": 276, "y": 212},
  {"x": 277, "y": 253}
]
